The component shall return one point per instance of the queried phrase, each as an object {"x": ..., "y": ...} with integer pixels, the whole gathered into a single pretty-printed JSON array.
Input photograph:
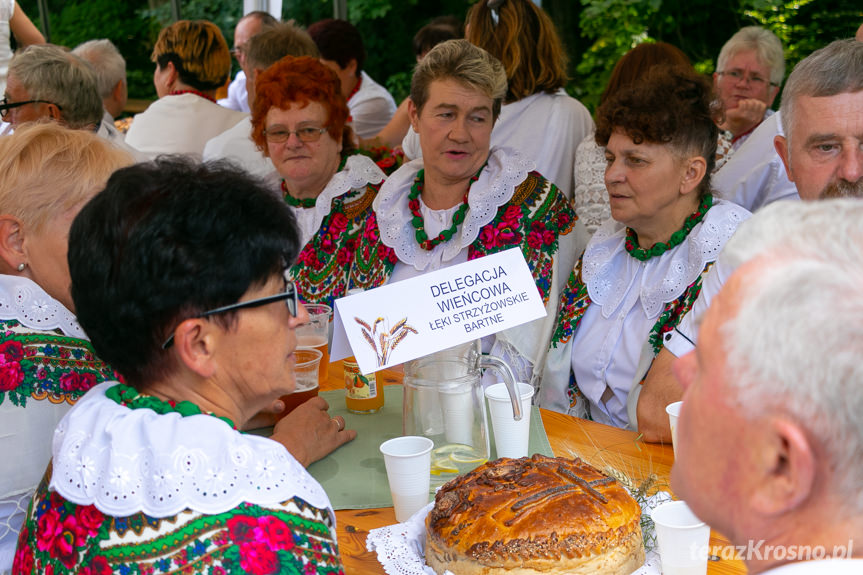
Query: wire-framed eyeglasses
[
  {"x": 307, "y": 134},
  {"x": 5, "y": 105},
  {"x": 756, "y": 80},
  {"x": 290, "y": 296}
]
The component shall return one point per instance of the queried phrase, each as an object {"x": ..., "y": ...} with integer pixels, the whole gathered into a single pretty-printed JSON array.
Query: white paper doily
[{"x": 401, "y": 547}]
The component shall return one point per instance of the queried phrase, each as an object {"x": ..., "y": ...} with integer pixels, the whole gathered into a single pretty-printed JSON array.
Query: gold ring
[{"x": 338, "y": 423}]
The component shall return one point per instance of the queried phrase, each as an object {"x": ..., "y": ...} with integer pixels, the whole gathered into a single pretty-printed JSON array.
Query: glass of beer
[
  {"x": 315, "y": 334},
  {"x": 306, "y": 371}
]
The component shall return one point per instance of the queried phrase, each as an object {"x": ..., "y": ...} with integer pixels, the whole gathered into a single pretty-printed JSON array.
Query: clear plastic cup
[
  {"x": 306, "y": 373},
  {"x": 511, "y": 437},
  {"x": 673, "y": 411},
  {"x": 683, "y": 539},
  {"x": 315, "y": 335},
  {"x": 408, "y": 463}
]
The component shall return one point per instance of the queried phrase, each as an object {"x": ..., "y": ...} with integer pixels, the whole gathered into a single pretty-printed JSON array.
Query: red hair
[{"x": 298, "y": 80}]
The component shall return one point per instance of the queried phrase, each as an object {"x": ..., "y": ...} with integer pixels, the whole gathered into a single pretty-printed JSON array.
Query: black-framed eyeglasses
[
  {"x": 307, "y": 135},
  {"x": 290, "y": 296},
  {"x": 5, "y": 106}
]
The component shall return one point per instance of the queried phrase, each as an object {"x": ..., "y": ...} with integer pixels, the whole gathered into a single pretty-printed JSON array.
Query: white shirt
[
  {"x": 372, "y": 108},
  {"x": 755, "y": 176},
  {"x": 7, "y": 9},
  {"x": 238, "y": 98},
  {"x": 181, "y": 124},
  {"x": 236, "y": 144},
  {"x": 545, "y": 127}
]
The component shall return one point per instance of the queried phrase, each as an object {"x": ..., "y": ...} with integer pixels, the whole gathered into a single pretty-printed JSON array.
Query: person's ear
[
  {"x": 352, "y": 67},
  {"x": 12, "y": 242},
  {"x": 785, "y": 462},
  {"x": 781, "y": 145},
  {"x": 414, "y": 114},
  {"x": 693, "y": 173},
  {"x": 195, "y": 341},
  {"x": 171, "y": 75},
  {"x": 54, "y": 112},
  {"x": 120, "y": 93}
]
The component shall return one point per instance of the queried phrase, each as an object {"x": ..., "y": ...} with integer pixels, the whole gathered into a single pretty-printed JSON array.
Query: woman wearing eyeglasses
[
  {"x": 299, "y": 121},
  {"x": 192, "y": 306},
  {"x": 46, "y": 360}
]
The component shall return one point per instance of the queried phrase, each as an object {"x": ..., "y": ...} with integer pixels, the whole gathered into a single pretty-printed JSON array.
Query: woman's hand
[
  {"x": 745, "y": 117},
  {"x": 309, "y": 432}
]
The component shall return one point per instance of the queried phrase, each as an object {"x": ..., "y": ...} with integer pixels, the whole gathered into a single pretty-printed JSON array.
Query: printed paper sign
[{"x": 398, "y": 322}]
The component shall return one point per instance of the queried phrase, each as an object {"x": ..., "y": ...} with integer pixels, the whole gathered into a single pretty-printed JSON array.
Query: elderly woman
[
  {"x": 538, "y": 117},
  {"x": 192, "y": 62},
  {"x": 465, "y": 199},
  {"x": 46, "y": 361},
  {"x": 193, "y": 308},
  {"x": 748, "y": 74},
  {"x": 299, "y": 121},
  {"x": 643, "y": 269},
  {"x": 590, "y": 199}
]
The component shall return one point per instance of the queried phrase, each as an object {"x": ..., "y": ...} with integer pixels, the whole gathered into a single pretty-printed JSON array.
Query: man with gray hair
[
  {"x": 261, "y": 51},
  {"x": 46, "y": 81},
  {"x": 822, "y": 111},
  {"x": 110, "y": 68},
  {"x": 770, "y": 433}
]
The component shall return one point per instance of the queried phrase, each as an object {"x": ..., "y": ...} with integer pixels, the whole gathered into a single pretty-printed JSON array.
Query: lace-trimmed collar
[
  {"x": 359, "y": 171},
  {"x": 126, "y": 461},
  {"x": 23, "y": 300},
  {"x": 610, "y": 273},
  {"x": 506, "y": 170}
]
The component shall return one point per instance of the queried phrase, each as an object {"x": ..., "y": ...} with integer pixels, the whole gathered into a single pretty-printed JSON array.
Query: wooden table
[{"x": 600, "y": 445}]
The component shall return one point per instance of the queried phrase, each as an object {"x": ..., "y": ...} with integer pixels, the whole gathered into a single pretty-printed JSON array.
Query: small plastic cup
[
  {"x": 408, "y": 463},
  {"x": 673, "y": 411},
  {"x": 683, "y": 539},
  {"x": 306, "y": 373},
  {"x": 511, "y": 437},
  {"x": 315, "y": 334},
  {"x": 457, "y": 409}
]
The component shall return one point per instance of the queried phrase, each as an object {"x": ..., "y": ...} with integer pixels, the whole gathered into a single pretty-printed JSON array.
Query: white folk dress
[
  {"x": 617, "y": 308},
  {"x": 507, "y": 195}
]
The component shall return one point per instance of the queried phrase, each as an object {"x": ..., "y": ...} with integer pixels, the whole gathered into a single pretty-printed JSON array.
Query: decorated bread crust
[{"x": 534, "y": 515}]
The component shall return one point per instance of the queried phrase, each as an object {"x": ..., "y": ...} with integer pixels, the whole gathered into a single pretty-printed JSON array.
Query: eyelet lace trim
[
  {"x": 590, "y": 198},
  {"x": 358, "y": 172},
  {"x": 23, "y": 300},
  {"x": 609, "y": 272},
  {"x": 126, "y": 461},
  {"x": 506, "y": 170}
]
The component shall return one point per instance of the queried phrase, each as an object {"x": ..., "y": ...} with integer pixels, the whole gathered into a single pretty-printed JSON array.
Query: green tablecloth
[{"x": 354, "y": 476}]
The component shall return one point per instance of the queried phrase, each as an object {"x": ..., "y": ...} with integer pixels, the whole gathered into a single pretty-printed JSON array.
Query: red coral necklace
[{"x": 419, "y": 223}]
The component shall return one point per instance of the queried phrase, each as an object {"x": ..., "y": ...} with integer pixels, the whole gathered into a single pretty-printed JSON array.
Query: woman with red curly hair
[
  {"x": 299, "y": 120},
  {"x": 643, "y": 269}
]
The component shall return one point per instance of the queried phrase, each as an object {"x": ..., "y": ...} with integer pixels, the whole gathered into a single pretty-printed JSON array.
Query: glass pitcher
[{"x": 444, "y": 401}]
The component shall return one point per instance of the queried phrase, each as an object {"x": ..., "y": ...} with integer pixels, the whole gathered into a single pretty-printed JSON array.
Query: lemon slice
[
  {"x": 466, "y": 457},
  {"x": 442, "y": 465}
]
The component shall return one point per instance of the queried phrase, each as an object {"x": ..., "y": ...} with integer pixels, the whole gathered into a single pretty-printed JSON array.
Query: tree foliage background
[{"x": 596, "y": 32}]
